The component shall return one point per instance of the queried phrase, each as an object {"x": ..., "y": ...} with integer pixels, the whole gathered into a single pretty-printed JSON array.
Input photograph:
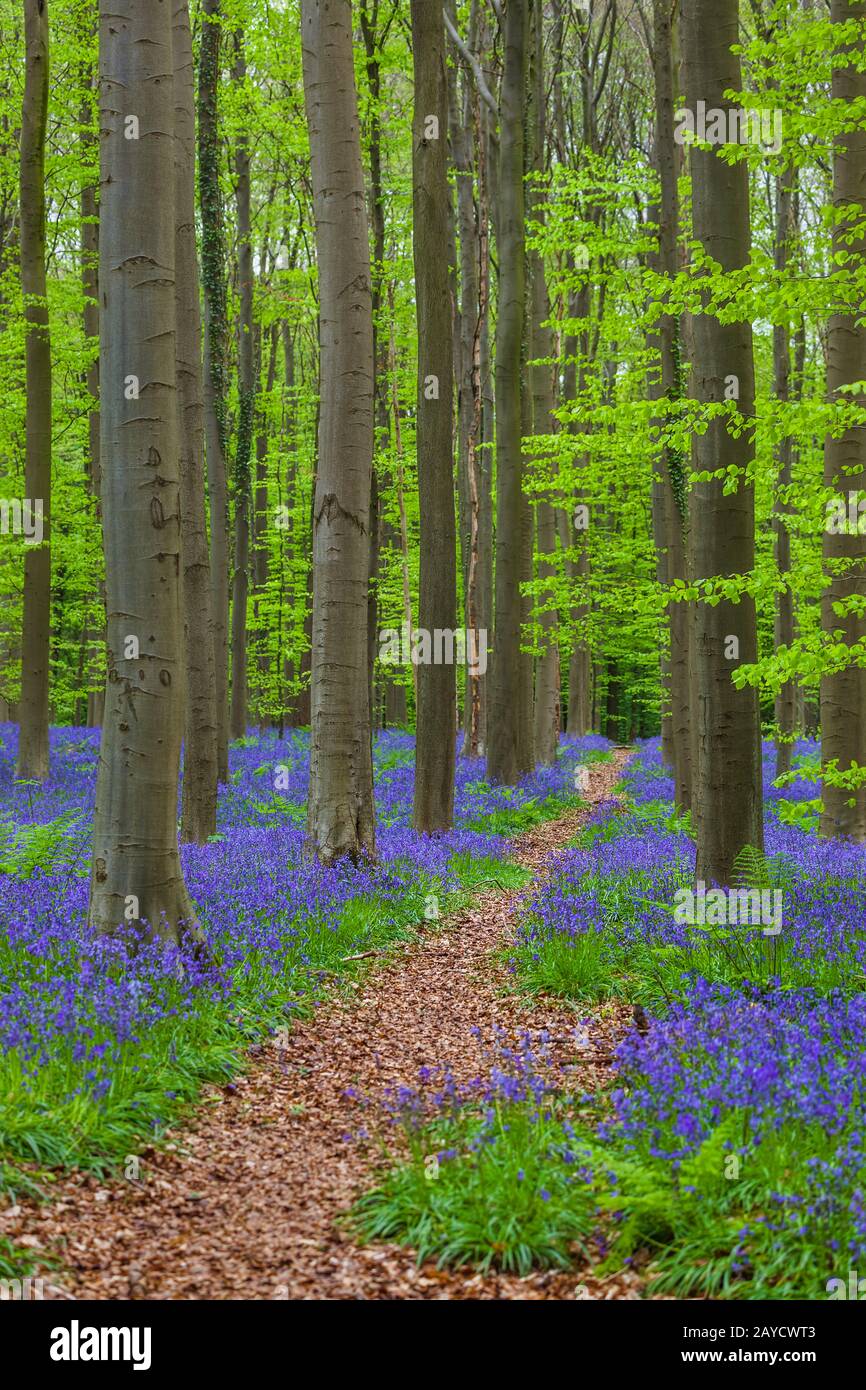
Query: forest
[{"x": 432, "y": 652}]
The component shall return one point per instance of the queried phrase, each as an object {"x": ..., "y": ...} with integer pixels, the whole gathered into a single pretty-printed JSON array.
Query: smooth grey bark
[
  {"x": 785, "y": 705},
  {"x": 246, "y": 406},
  {"x": 485, "y": 405},
  {"x": 200, "y": 772},
  {"x": 466, "y": 138},
  {"x": 504, "y": 709},
  {"x": 578, "y": 715},
  {"x": 473, "y": 128},
  {"x": 374, "y": 38},
  {"x": 660, "y": 522},
  {"x": 579, "y": 710},
  {"x": 288, "y": 431},
  {"x": 727, "y": 789},
  {"x": 524, "y": 683},
  {"x": 547, "y": 715},
  {"x": 36, "y": 627},
  {"x": 340, "y": 813},
  {"x": 215, "y": 357},
  {"x": 671, "y": 474},
  {"x": 547, "y": 693},
  {"x": 787, "y": 380},
  {"x": 260, "y": 526},
  {"x": 843, "y": 694},
  {"x": 89, "y": 249},
  {"x": 465, "y": 320},
  {"x": 436, "y": 723},
  {"x": 136, "y": 878},
  {"x": 301, "y": 708}
]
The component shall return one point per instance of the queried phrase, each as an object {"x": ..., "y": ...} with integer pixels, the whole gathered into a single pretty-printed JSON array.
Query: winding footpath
[{"x": 245, "y": 1202}]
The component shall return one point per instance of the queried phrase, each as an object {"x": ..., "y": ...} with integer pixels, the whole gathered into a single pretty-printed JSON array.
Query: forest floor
[{"x": 245, "y": 1201}]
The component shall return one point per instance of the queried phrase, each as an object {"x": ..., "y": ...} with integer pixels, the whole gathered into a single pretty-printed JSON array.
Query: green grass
[
  {"x": 597, "y": 755},
  {"x": 397, "y": 757},
  {"x": 482, "y": 1191},
  {"x": 477, "y": 874},
  {"x": 15, "y": 1263},
  {"x": 572, "y": 968},
  {"x": 42, "y": 1123},
  {"x": 511, "y": 821}
]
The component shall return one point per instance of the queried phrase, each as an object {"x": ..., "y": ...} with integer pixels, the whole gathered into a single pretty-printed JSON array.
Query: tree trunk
[
  {"x": 373, "y": 40},
  {"x": 843, "y": 694},
  {"x": 485, "y": 405},
  {"x": 578, "y": 717},
  {"x": 785, "y": 702},
  {"x": 401, "y": 492},
  {"x": 136, "y": 875},
  {"x": 215, "y": 358},
  {"x": 260, "y": 530},
  {"x": 504, "y": 713},
  {"x": 525, "y": 684},
  {"x": 547, "y": 711},
  {"x": 244, "y": 442},
  {"x": 579, "y": 713},
  {"x": 199, "y": 795},
  {"x": 36, "y": 629},
  {"x": 727, "y": 784},
  {"x": 89, "y": 245},
  {"x": 464, "y": 117},
  {"x": 541, "y": 378},
  {"x": 341, "y": 817},
  {"x": 303, "y": 704},
  {"x": 285, "y": 665},
  {"x": 436, "y": 720},
  {"x": 395, "y": 706},
  {"x": 612, "y": 708},
  {"x": 672, "y": 473}
]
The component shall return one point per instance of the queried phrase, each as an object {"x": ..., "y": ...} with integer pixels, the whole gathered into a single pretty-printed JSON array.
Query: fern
[
  {"x": 754, "y": 869},
  {"x": 26, "y": 848}
]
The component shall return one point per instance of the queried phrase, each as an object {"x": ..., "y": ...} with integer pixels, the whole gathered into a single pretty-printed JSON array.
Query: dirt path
[{"x": 244, "y": 1205}]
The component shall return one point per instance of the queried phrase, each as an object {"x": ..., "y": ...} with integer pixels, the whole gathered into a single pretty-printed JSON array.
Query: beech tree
[
  {"x": 547, "y": 712},
  {"x": 437, "y": 600},
  {"x": 35, "y": 638},
  {"x": 200, "y": 772},
  {"x": 341, "y": 818},
  {"x": 136, "y": 878},
  {"x": 467, "y": 124},
  {"x": 246, "y": 406},
  {"x": 505, "y": 686},
  {"x": 727, "y": 789},
  {"x": 671, "y": 466},
  {"x": 843, "y": 690},
  {"x": 89, "y": 246},
  {"x": 215, "y": 357}
]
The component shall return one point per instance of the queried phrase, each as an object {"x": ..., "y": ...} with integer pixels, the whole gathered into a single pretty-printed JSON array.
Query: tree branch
[{"x": 483, "y": 89}]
